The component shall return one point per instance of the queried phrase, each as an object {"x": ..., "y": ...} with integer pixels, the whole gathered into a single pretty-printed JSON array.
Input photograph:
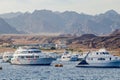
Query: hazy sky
[{"x": 85, "y": 6}]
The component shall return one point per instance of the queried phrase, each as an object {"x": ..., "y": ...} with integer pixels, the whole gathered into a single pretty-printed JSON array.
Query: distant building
[
  {"x": 61, "y": 46},
  {"x": 47, "y": 46}
]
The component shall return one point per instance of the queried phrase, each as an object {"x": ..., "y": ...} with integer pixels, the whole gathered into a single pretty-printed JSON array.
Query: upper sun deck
[
  {"x": 100, "y": 53},
  {"x": 28, "y": 50}
]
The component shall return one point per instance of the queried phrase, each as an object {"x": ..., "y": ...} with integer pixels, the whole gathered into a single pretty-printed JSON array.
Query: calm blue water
[{"x": 67, "y": 72}]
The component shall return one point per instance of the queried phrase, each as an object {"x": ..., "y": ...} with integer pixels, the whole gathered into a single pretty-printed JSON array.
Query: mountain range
[{"x": 46, "y": 21}]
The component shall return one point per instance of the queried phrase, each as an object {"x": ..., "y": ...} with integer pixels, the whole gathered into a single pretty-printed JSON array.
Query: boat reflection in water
[
  {"x": 100, "y": 59},
  {"x": 30, "y": 56}
]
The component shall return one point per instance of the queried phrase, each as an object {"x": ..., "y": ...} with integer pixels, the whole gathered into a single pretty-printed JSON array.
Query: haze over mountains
[
  {"x": 46, "y": 21},
  {"x": 5, "y": 28}
]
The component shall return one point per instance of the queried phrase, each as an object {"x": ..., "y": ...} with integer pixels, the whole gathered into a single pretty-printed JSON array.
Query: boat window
[
  {"x": 29, "y": 56},
  {"x": 101, "y": 58},
  {"x": 36, "y": 56},
  {"x": 97, "y": 53},
  {"x": 22, "y": 56},
  {"x": 30, "y": 51},
  {"x": 37, "y": 51},
  {"x": 34, "y": 51},
  {"x": 103, "y": 52},
  {"x": 110, "y": 58},
  {"x": 107, "y": 53}
]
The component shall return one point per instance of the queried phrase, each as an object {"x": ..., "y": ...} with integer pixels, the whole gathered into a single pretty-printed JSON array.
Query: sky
[{"x": 80, "y": 6}]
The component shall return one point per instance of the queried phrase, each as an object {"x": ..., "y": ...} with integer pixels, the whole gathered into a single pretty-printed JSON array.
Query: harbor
[
  {"x": 59, "y": 40},
  {"x": 61, "y": 68},
  {"x": 25, "y": 64}
]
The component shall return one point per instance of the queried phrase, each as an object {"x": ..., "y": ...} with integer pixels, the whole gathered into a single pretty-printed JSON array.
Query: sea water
[{"x": 67, "y": 72}]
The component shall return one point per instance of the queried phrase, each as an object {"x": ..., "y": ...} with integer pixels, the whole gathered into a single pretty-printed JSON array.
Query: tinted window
[
  {"x": 97, "y": 53},
  {"x": 101, "y": 58},
  {"x": 22, "y": 56},
  {"x": 37, "y": 51},
  {"x": 29, "y": 56},
  {"x": 36, "y": 56}
]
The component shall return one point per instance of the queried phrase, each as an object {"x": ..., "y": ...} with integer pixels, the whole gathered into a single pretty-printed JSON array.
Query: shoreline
[{"x": 60, "y": 51}]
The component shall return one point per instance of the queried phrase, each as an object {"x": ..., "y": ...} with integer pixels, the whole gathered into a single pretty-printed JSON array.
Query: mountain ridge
[{"x": 47, "y": 21}]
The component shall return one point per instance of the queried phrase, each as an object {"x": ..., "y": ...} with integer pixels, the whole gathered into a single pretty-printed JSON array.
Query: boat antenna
[
  {"x": 84, "y": 59},
  {"x": 86, "y": 55}
]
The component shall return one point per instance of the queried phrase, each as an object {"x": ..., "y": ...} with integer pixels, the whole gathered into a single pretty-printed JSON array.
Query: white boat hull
[
  {"x": 107, "y": 64},
  {"x": 40, "y": 61}
]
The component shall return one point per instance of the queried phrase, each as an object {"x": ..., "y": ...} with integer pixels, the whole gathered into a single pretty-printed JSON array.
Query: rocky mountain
[
  {"x": 111, "y": 41},
  {"x": 46, "y": 21},
  {"x": 5, "y": 28}
]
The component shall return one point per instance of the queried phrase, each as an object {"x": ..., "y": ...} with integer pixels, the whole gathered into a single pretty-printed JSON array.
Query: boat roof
[{"x": 102, "y": 50}]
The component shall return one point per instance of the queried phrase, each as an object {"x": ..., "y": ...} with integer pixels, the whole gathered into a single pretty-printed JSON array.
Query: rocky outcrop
[{"x": 112, "y": 41}]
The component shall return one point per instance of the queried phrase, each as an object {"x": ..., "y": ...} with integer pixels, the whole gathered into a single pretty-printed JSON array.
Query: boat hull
[
  {"x": 41, "y": 61},
  {"x": 108, "y": 64}
]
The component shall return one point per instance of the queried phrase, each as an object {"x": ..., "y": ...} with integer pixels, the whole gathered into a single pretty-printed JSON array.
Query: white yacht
[
  {"x": 30, "y": 56},
  {"x": 100, "y": 59},
  {"x": 67, "y": 56},
  {"x": 7, "y": 56}
]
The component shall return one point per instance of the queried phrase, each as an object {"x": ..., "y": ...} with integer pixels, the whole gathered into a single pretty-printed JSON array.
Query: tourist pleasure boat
[
  {"x": 67, "y": 56},
  {"x": 30, "y": 56},
  {"x": 7, "y": 56},
  {"x": 100, "y": 59}
]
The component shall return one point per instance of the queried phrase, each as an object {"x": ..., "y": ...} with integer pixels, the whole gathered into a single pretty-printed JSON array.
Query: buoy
[
  {"x": 0, "y": 68},
  {"x": 58, "y": 65}
]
